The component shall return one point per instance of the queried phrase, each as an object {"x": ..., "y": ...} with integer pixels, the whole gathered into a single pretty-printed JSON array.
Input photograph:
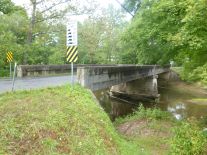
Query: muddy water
[{"x": 180, "y": 99}]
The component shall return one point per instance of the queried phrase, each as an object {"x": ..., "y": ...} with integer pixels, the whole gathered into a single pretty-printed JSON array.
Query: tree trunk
[{"x": 31, "y": 27}]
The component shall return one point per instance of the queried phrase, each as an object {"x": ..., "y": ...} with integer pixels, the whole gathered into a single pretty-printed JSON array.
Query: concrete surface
[{"x": 100, "y": 77}]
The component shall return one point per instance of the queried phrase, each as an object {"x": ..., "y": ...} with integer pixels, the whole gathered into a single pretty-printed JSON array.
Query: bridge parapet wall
[
  {"x": 40, "y": 70},
  {"x": 44, "y": 70}
]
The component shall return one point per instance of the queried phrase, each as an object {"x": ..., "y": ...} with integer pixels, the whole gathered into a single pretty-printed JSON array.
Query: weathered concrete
[
  {"x": 42, "y": 70},
  {"x": 167, "y": 77},
  {"x": 45, "y": 70},
  {"x": 143, "y": 89},
  {"x": 140, "y": 89},
  {"x": 100, "y": 77}
]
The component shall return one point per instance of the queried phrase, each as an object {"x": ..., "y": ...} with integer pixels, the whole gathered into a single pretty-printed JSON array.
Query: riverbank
[
  {"x": 59, "y": 120},
  {"x": 196, "y": 79},
  {"x": 158, "y": 133}
]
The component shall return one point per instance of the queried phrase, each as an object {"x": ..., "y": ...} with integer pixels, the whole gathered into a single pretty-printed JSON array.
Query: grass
[
  {"x": 151, "y": 129},
  {"x": 57, "y": 121},
  {"x": 201, "y": 101},
  {"x": 153, "y": 136},
  {"x": 66, "y": 120},
  {"x": 142, "y": 113},
  {"x": 157, "y": 132}
]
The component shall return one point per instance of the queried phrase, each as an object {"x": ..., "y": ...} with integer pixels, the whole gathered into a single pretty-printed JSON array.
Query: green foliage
[
  {"x": 13, "y": 31},
  {"x": 169, "y": 30},
  {"x": 132, "y": 5},
  {"x": 204, "y": 121},
  {"x": 148, "y": 34},
  {"x": 188, "y": 140},
  {"x": 7, "y": 6},
  {"x": 205, "y": 133},
  {"x": 145, "y": 113},
  {"x": 150, "y": 113},
  {"x": 99, "y": 38},
  {"x": 197, "y": 74},
  {"x": 43, "y": 41},
  {"x": 4, "y": 72}
]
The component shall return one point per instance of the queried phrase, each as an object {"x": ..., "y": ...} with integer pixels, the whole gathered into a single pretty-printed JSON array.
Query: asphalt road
[{"x": 34, "y": 83}]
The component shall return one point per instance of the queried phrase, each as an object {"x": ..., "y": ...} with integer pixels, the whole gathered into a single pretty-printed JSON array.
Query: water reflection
[
  {"x": 113, "y": 107},
  {"x": 174, "y": 98},
  {"x": 178, "y": 110}
]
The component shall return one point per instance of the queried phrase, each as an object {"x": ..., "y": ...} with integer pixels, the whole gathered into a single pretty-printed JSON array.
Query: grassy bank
[
  {"x": 63, "y": 120},
  {"x": 151, "y": 129},
  {"x": 58, "y": 121},
  {"x": 157, "y": 132},
  {"x": 196, "y": 76}
]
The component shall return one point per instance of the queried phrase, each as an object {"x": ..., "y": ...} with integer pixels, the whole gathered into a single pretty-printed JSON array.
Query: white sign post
[
  {"x": 14, "y": 74},
  {"x": 72, "y": 43}
]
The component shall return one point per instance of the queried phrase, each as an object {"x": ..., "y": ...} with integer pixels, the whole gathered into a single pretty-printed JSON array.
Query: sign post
[
  {"x": 10, "y": 59},
  {"x": 14, "y": 74},
  {"x": 10, "y": 70},
  {"x": 72, "y": 45}
]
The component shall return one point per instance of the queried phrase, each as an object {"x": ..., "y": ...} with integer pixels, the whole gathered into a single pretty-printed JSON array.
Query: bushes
[
  {"x": 150, "y": 113},
  {"x": 199, "y": 74},
  {"x": 187, "y": 136},
  {"x": 146, "y": 113},
  {"x": 4, "y": 73},
  {"x": 188, "y": 139}
]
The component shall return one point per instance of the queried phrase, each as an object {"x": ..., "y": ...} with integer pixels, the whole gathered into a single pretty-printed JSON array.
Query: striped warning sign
[
  {"x": 9, "y": 56},
  {"x": 72, "y": 53}
]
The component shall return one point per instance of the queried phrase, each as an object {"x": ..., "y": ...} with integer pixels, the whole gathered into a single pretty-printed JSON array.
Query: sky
[{"x": 103, "y": 3}]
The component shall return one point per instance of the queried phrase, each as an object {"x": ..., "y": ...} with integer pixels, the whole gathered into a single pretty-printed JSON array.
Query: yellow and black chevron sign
[
  {"x": 72, "y": 54},
  {"x": 9, "y": 56}
]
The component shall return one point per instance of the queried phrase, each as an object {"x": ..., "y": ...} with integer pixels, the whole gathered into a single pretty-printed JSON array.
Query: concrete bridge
[{"x": 133, "y": 81}]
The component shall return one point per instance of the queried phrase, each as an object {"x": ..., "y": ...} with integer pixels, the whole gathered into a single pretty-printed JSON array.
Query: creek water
[{"x": 179, "y": 98}]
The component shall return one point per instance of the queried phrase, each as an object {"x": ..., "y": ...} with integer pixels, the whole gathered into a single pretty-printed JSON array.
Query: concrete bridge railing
[
  {"x": 38, "y": 70},
  {"x": 43, "y": 70}
]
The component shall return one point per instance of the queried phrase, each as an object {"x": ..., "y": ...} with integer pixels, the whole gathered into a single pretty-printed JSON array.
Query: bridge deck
[{"x": 101, "y": 76}]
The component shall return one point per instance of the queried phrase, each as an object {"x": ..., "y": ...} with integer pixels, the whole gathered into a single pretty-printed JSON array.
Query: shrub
[
  {"x": 150, "y": 113},
  {"x": 4, "y": 73},
  {"x": 147, "y": 113},
  {"x": 198, "y": 74},
  {"x": 188, "y": 139}
]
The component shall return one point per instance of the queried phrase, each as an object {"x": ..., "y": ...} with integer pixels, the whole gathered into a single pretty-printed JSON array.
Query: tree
[
  {"x": 132, "y": 5},
  {"x": 49, "y": 12},
  {"x": 169, "y": 30},
  {"x": 99, "y": 37},
  {"x": 150, "y": 32},
  {"x": 6, "y": 7},
  {"x": 191, "y": 38},
  {"x": 13, "y": 33}
]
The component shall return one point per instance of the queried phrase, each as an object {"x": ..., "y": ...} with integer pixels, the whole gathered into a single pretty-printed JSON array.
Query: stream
[{"x": 180, "y": 99}]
